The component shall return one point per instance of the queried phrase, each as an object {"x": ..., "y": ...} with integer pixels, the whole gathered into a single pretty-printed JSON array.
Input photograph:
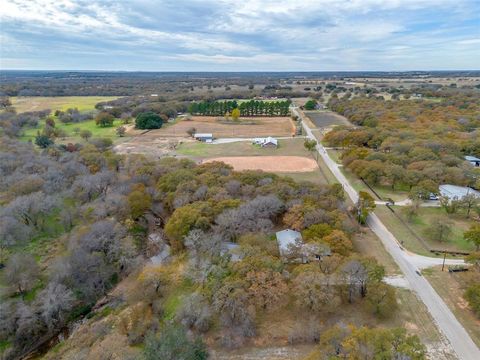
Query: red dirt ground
[{"x": 269, "y": 163}]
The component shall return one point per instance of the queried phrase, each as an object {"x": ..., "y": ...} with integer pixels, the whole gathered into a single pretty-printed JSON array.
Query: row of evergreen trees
[{"x": 247, "y": 108}]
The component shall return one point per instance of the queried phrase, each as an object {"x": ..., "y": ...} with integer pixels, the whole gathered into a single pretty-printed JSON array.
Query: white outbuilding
[{"x": 208, "y": 138}]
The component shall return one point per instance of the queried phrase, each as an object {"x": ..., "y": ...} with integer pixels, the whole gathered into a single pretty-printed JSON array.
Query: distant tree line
[{"x": 247, "y": 108}]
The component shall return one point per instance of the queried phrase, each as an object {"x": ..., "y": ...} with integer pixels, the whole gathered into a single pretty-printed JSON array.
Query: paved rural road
[{"x": 409, "y": 263}]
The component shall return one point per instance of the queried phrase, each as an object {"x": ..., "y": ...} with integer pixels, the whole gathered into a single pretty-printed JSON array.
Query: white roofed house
[
  {"x": 266, "y": 142},
  {"x": 473, "y": 160},
  {"x": 454, "y": 192}
]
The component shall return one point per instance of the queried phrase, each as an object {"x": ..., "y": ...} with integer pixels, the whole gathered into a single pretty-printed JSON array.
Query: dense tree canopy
[
  {"x": 148, "y": 120},
  {"x": 417, "y": 144}
]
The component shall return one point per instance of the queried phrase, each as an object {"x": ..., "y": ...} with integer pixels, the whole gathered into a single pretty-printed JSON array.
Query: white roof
[
  {"x": 456, "y": 192},
  {"x": 287, "y": 238},
  {"x": 200, "y": 135},
  {"x": 271, "y": 140},
  {"x": 471, "y": 158},
  {"x": 266, "y": 140}
]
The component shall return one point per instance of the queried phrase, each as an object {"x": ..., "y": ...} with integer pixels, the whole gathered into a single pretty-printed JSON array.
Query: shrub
[
  {"x": 43, "y": 141},
  {"x": 473, "y": 297},
  {"x": 104, "y": 119},
  {"x": 173, "y": 344},
  {"x": 310, "y": 105},
  {"x": 148, "y": 120}
]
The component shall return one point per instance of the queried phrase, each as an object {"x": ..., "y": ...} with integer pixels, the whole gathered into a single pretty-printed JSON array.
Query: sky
[{"x": 240, "y": 35}]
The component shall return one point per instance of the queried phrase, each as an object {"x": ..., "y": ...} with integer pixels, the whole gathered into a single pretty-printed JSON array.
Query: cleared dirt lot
[
  {"x": 326, "y": 118},
  {"x": 251, "y": 127},
  {"x": 284, "y": 164}
]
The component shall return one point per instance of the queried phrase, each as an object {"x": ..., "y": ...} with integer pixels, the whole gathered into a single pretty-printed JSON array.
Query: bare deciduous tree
[{"x": 21, "y": 272}]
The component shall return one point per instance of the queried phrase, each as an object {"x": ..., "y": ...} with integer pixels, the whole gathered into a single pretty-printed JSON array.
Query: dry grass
[
  {"x": 368, "y": 244},
  {"x": 251, "y": 127},
  {"x": 449, "y": 287}
]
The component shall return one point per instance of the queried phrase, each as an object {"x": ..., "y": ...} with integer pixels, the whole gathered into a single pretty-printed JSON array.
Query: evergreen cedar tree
[
  {"x": 148, "y": 120},
  {"x": 43, "y": 141},
  {"x": 310, "y": 105},
  {"x": 247, "y": 108}
]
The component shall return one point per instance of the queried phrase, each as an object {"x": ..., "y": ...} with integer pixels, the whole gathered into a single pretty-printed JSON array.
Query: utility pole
[{"x": 444, "y": 256}]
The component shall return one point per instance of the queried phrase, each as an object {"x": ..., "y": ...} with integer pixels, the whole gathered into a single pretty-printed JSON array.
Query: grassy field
[
  {"x": 82, "y": 103},
  {"x": 420, "y": 224},
  {"x": 448, "y": 286},
  {"x": 400, "y": 231},
  {"x": 315, "y": 177},
  {"x": 202, "y": 150},
  {"x": 97, "y": 131},
  {"x": 34, "y": 103}
]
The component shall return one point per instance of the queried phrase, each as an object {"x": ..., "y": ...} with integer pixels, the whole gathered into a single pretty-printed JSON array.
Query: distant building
[
  {"x": 454, "y": 192},
  {"x": 208, "y": 138},
  {"x": 154, "y": 95},
  {"x": 266, "y": 142},
  {"x": 473, "y": 160}
]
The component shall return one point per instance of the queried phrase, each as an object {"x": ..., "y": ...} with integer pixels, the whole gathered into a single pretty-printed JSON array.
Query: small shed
[
  {"x": 208, "y": 138},
  {"x": 454, "y": 192},
  {"x": 473, "y": 160}
]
